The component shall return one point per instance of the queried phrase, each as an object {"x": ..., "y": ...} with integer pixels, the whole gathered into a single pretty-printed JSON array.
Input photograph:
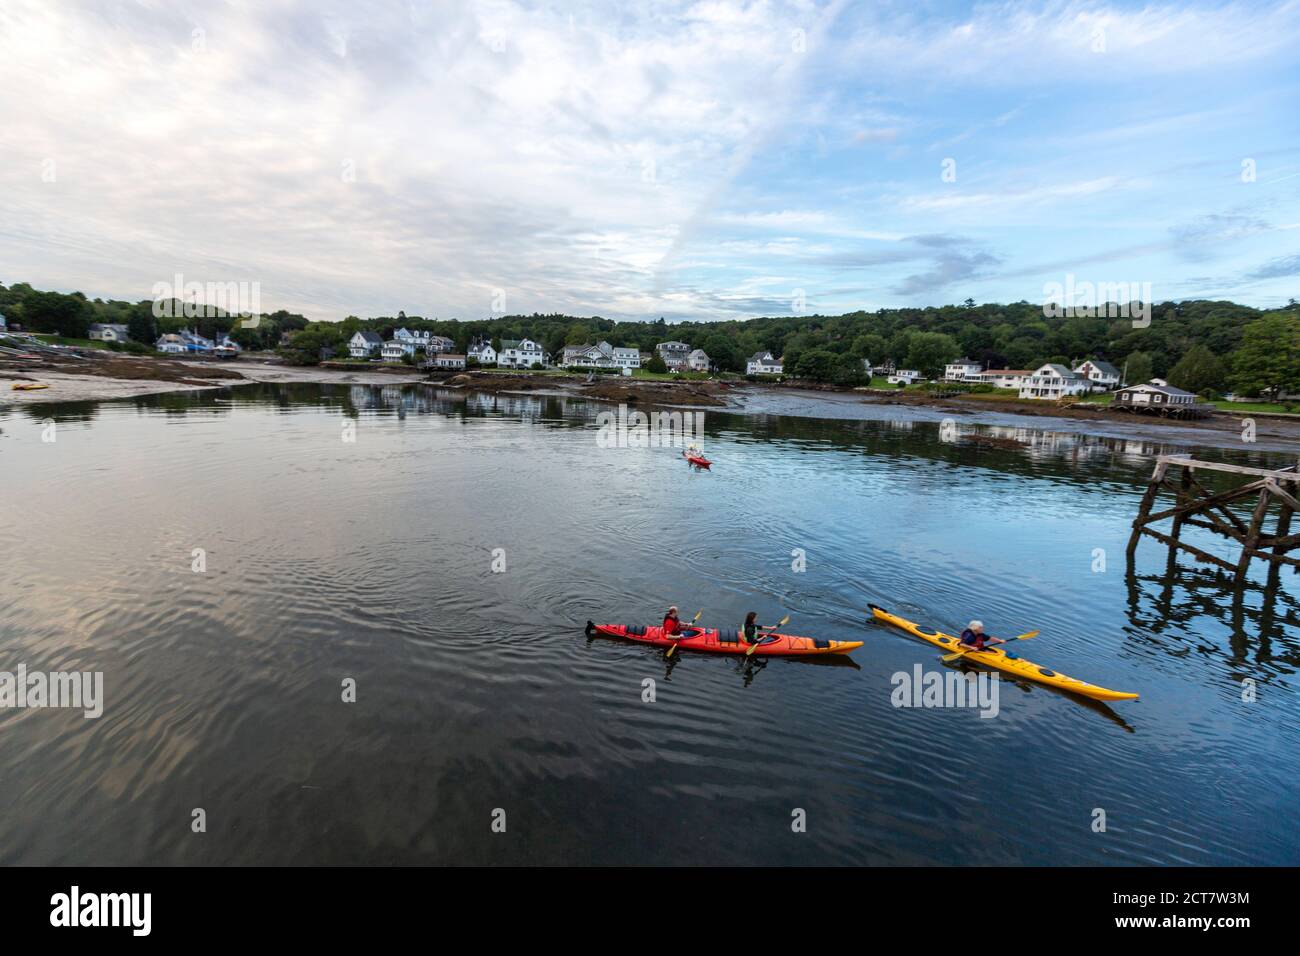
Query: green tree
[
  {"x": 66, "y": 315},
  {"x": 1139, "y": 369},
  {"x": 656, "y": 364},
  {"x": 929, "y": 352},
  {"x": 1268, "y": 361},
  {"x": 140, "y": 324},
  {"x": 817, "y": 364},
  {"x": 1198, "y": 370}
]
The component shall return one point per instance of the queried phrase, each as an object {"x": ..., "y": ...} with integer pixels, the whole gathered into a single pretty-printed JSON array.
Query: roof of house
[
  {"x": 1060, "y": 370},
  {"x": 1104, "y": 367},
  {"x": 443, "y": 356},
  {"x": 1007, "y": 371},
  {"x": 672, "y": 346},
  {"x": 517, "y": 343},
  {"x": 964, "y": 361},
  {"x": 1163, "y": 389},
  {"x": 761, "y": 356},
  {"x": 374, "y": 338},
  {"x": 699, "y": 352}
]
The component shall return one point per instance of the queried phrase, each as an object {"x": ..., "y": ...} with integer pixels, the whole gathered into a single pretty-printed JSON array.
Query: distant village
[{"x": 1049, "y": 382}]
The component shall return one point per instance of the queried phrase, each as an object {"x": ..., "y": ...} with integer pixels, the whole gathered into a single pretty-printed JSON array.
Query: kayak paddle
[
  {"x": 1023, "y": 637},
  {"x": 781, "y": 623},
  {"x": 673, "y": 647}
]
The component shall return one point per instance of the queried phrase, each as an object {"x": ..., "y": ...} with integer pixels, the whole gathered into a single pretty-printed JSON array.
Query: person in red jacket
[{"x": 671, "y": 623}]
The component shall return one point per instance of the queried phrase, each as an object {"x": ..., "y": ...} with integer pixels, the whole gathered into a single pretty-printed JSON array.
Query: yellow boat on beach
[{"x": 28, "y": 386}]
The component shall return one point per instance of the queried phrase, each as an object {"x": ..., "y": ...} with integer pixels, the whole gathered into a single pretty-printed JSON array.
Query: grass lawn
[
  {"x": 77, "y": 343},
  {"x": 1227, "y": 406},
  {"x": 643, "y": 374}
]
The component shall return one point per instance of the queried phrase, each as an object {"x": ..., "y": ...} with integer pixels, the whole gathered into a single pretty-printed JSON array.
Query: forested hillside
[{"x": 1199, "y": 345}]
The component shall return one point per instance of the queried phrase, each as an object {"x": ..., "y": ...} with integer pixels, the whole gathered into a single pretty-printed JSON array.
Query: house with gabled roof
[
  {"x": 1102, "y": 375},
  {"x": 762, "y": 363},
  {"x": 365, "y": 344},
  {"x": 1051, "y": 382}
]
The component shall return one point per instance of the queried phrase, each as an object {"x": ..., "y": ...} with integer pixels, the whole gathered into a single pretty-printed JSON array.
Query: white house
[
  {"x": 364, "y": 344},
  {"x": 396, "y": 349},
  {"x": 1102, "y": 375},
  {"x": 1155, "y": 392},
  {"x": 3, "y": 326},
  {"x": 762, "y": 363},
  {"x": 674, "y": 354},
  {"x": 1005, "y": 377},
  {"x": 104, "y": 332},
  {"x": 417, "y": 339},
  {"x": 698, "y": 361},
  {"x": 483, "y": 352},
  {"x": 171, "y": 343},
  {"x": 521, "y": 353},
  {"x": 962, "y": 370},
  {"x": 906, "y": 376},
  {"x": 627, "y": 359},
  {"x": 1051, "y": 382},
  {"x": 447, "y": 360}
]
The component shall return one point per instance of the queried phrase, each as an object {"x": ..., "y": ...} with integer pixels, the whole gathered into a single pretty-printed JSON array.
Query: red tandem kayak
[
  {"x": 725, "y": 641},
  {"x": 700, "y": 462}
]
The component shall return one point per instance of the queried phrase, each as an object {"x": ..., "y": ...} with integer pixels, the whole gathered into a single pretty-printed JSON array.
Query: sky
[{"x": 697, "y": 160}]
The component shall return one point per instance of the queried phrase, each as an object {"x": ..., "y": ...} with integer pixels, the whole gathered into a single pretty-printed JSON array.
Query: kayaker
[
  {"x": 671, "y": 623},
  {"x": 975, "y": 637},
  {"x": 753, "y": 630}
]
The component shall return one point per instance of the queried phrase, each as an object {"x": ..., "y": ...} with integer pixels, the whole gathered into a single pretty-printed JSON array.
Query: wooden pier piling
[{"x": 1197, "y": 506}]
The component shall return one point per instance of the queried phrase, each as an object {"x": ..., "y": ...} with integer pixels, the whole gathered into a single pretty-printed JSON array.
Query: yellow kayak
[
  {"x": 28, "y": 386},
  {"x": 999, "y": 659}
]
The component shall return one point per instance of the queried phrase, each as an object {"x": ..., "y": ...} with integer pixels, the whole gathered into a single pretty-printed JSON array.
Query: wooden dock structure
[{"x": 1200, "y": 507}]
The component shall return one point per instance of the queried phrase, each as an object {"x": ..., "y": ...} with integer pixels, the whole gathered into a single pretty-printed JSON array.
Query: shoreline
[{"x": 72, "y": 384}]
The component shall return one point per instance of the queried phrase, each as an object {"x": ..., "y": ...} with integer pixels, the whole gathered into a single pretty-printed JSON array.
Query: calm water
[{"x": 371, "y": 560}]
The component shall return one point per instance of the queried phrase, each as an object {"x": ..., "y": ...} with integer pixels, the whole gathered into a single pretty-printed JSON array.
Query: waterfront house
[
  {"x": 365, "y": 344},
  {"x": 171, "y": 343},
  {"x": 3, "y": 326},
  {"x": 904, "y": 376},
  {"x": 521, "y": 353},
  {"x": 481, "y": 351},
  {"x": 600, "y": 355},
  {"x": 1005, "y": 377},
  {"x": 676, "y": 355},
  {"x": 447, "y": 360},
  {"x": 108, "y": 332},
  {"x": 416, "y": 340},
  {"x": 962, "y": 370},
  {"x": 1102, "y": 375},
  {"x": 698, "y": 361},
  {"x": 1154, "y": 393},
  {"x": 626, "y": 359},
  {"x": 184, "y": 341},
  {"x": 762, "y": 363},
  {"x": 395, "y": 349},
  {"x": 1051, "y": 382}
]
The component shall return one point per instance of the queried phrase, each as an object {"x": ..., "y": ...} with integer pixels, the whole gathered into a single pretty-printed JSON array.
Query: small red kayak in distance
[
  {"x": 725, "y": 641},
  {"x": 699, "y": 461}
]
